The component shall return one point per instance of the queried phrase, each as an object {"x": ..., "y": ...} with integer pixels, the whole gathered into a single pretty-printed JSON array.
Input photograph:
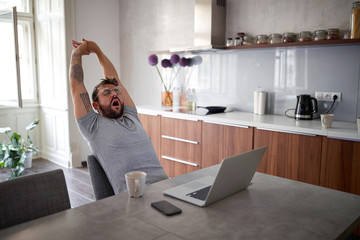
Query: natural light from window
[{"x": 26, "y": 51}]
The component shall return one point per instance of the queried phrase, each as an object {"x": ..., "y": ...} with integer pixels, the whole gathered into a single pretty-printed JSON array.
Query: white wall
[
  {"x": 279, "y": 16},
  {"x": 144, "y": 28},
  {"x": 96, "y": 21}
]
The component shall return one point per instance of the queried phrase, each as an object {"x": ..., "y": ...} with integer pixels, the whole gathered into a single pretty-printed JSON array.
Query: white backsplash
[{"x": 230, "y": 77}]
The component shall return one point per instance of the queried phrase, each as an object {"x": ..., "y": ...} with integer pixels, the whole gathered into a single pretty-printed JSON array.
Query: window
[{"x": 26, "y": 53}]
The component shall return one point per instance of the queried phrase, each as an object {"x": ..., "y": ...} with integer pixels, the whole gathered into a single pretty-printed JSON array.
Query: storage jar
[
  {"x": 275, "y": 38},
  {"x": 320, "y": 35},
  {"x": 289, "y": 37},
  {"x": 248, "y": 40},
  {"x": 229, "y": 42},
  {"x": 333, "y": 34},
  {"x": 237, "y": 41},
  {"x": 241, "y": 36},
  {"x": 355, "y": 20},
  {"x": 262, "y": 39},
  {"x": 305, "y": 36}
]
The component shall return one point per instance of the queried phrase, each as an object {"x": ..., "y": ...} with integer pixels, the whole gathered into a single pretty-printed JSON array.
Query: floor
[{"x": 77, "y": 180}]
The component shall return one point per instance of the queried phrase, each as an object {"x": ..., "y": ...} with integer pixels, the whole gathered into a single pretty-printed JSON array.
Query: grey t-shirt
[{"x": 121, "y": 145}]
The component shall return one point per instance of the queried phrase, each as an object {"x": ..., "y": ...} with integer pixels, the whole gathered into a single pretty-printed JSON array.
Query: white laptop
[{"x": 234, "y": 175}]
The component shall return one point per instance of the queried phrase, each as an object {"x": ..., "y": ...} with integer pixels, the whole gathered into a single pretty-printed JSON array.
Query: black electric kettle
[{"x": 306, "y": 106}]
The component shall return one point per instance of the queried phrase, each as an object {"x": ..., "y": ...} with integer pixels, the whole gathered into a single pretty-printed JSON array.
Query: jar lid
[
  {"x": 229, "y": 38},
  {"x": 276, "y": 35},
  {"x": 262, "y": 36},
  {"x": 289, "y": 34},
  {"x": 305, "y": 32},
  {"x": 321, "y": 31},
  {"x": 241, "y": 34},
  {"x": 247, "y": 37},
  {"x": 333, "y": 30}
]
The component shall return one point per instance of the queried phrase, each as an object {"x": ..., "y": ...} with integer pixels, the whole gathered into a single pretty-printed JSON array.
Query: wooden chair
[
  {"x": 29, "y": 197},
  {"x": 101, "y": 185}
]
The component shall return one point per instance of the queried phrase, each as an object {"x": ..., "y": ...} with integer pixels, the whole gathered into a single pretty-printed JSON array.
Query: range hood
[{"x": 209, "y": 26}]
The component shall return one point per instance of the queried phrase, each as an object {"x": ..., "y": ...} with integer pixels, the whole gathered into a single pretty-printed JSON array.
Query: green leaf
[
  {"x": 32, "y": 124},
  {"x": 5, "y": 130},
  {"x": 29, "y": 139},
  {"x": 22, "y": 159},
  {"x": 15, "y": 138},
  {"x": 10, "y": 163}
]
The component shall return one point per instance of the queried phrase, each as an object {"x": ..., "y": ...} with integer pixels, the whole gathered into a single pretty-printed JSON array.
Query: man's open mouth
[{"x": 115, "y": 102}]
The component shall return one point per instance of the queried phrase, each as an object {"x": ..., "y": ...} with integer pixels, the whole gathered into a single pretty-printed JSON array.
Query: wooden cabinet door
[
  {"x": 151, "y": 124},
  {"x": 180, "y": 146},
  {"x": 291, "y": 156},
  {"x": 340, "y": 165},
  {"x": 220, "y": 141}
]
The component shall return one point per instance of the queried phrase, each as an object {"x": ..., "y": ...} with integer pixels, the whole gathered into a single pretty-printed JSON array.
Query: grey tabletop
[{"x": 271, "y": 208}]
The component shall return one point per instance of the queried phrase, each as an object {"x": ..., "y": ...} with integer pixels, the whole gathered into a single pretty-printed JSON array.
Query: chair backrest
[
  {"x": 29, "y": 197},
  {"x": 101, "y": 185}
]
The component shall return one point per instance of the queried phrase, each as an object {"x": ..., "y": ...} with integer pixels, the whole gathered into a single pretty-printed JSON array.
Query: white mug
[
  {"x": 135, "y": 182},
  {"x": 358, "y": 124},
  {"x": 326, "y": 120}
]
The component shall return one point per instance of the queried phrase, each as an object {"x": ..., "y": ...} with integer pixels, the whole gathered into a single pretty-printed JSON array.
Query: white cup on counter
[
  {"x": 135, "y": 182},
  {"x": 326, "y": 120}
]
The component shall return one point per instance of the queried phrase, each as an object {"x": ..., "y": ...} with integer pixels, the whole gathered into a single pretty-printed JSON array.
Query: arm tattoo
[
  {"x": 86, "y": 101},
  {"x": 77, "y": 73}
]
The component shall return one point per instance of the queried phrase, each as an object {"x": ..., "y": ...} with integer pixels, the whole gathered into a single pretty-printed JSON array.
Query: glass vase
[{"x": 167, "y": 98}]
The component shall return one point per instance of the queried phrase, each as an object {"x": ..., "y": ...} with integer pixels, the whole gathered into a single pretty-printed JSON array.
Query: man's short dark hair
[{"x": 103, "y": 82}]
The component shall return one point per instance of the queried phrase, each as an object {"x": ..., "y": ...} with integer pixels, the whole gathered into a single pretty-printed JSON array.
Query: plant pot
[{"x": 28, "y": 159}]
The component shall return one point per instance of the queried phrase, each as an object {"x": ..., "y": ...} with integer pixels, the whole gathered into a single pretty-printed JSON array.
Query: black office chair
[
  {"x": 101, "y": 185},
  {"x": 29, "y": 197}
]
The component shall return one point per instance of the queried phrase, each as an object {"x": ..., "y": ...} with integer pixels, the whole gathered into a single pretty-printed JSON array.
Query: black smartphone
[{"x": 166, "y": 208}]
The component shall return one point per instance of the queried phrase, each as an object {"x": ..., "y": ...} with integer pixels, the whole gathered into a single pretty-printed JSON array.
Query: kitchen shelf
[
  {"x": 325, "y": 43},
  {"x": 342, "y": 42}
]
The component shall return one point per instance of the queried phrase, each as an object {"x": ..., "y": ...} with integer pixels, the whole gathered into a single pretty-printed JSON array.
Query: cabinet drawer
[
  {"x": 188, "y": 152},
  {"x": 182, "y": 129},
  {"x": 173, "y": 168}
]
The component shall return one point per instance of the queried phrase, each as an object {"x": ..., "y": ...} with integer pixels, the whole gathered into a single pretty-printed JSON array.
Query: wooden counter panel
[
  {"x": 340, "y": 165},
  {"x": 291, "y": 156}
]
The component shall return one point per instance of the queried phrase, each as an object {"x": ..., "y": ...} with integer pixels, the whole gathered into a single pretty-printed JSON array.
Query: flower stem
[
  {"x": 166, "y": 90},
  {"x": 173, "y": 80}
]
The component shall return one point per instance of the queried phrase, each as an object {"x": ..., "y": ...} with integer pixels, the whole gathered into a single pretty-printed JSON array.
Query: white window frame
[{"x": 28, "y": 18}]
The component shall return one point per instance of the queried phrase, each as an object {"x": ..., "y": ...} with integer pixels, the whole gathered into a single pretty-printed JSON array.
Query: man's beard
[{"x": 108, "y": 112}]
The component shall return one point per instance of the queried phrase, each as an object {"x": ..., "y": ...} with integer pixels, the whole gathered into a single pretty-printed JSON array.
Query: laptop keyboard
[{"x": 200, "y": 194}]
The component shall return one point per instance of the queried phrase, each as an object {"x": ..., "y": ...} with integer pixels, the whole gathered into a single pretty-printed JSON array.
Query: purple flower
[
  {"x": 196, "y": 60},
  {"x": 174, "y": 59},
  {"x": 184, "y": 62},
  {"x": 190, "y": 62},
  {"x": 165, "y": 63},
  {"x": 153, "y": 60}
]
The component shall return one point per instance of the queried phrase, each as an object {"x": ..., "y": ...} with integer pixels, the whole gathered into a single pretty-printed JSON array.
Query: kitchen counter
[{"x": 340, "y": 129}]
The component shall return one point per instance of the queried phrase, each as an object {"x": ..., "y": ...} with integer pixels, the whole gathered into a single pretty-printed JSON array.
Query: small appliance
[{"x": 306, "y": 106}]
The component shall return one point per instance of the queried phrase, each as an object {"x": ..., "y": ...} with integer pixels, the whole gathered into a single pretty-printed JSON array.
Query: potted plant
[{"x": 17, "y": 154}]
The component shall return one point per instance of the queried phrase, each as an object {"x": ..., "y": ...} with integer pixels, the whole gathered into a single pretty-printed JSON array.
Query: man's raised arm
[
  {"x": 80, "y": 96},
  {"x": 109, "y": 70}
]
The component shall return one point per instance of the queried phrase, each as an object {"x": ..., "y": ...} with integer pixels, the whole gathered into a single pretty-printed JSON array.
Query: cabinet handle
[
  {"x": 179, "y": 139},
  {"x": 180, "y": 161},
  {"x": 180, "y": 117},
  {"x": 345, "y": 139},
  {"x": 150, "y": 114},
  {"x": 227, "y": 124},
  {"x": 284, "y": 131}
]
